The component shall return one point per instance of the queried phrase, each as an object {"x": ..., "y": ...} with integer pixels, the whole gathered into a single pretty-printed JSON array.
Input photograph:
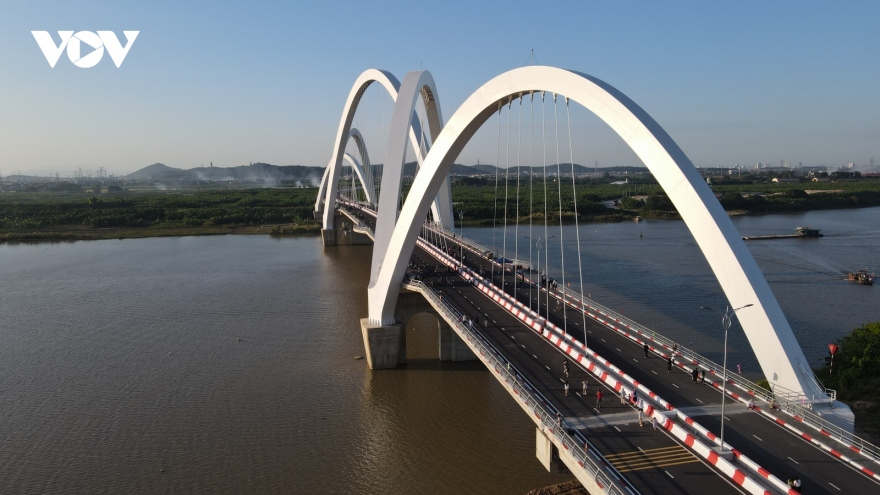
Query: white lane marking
[
  {"x": 835, "y": 486},
  {"x": 794, "y": 461},
  {"x": 652, "y": 371},
  {"x": 590, "y": 331},
  {"x": 756, "y": 436},
  {"x": 667, "y": 472},
  {"x": 548, "y": 368},
  {"x": 536, "y": 357},
  {"x": 618, "y": 349},
  {"x": 636, "y": 360},
  {"x": 676, "y": 386},
  {"x": 597, "y": 411},
  {"x": 578, "y": 394},
  {"x": 641, "y": 449},
  {"x": 618, "y": 429},
  {"x": 603, "y": 340},
  {"x": 698, "y": 400}
]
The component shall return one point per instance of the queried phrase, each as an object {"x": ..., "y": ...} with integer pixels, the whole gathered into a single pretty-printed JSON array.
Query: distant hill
[
  {"x": 264, "y": 172},
  {"x": 245, "y": 173}
]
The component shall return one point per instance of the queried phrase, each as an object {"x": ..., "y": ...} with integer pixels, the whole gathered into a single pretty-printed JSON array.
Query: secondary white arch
[
  {"x": 416, "y": 84},
  {"x": 329, "y": 184},
  {"x": 366, "y": 173},
  {"x": 359, "y": 171},
  {"x": 769, "y": 333}
]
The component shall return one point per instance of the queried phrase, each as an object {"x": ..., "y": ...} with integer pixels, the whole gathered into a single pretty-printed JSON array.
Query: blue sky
[{"x": 234, "y": 82}]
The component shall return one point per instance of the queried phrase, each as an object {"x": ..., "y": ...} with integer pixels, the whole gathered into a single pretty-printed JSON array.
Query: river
[{"x": 226, "y": 364}]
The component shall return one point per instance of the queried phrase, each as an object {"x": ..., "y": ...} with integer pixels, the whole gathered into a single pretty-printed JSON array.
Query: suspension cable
[
  {"x": 577, "y": 229},
  {"x": 506, "y": 182},
  {"x": 546, "y": 277},
  {"x": 516, "y": 228},
  {"x": 531, "y": 198},
  {"x": 559, "y": 187},
  {"x": 495, "y": 215}
]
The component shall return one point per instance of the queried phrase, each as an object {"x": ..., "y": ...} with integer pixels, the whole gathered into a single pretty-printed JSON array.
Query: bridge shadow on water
[{"x": 427, "y": 364}]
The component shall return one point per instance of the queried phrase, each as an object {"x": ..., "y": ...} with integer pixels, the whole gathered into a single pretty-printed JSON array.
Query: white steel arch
[
  {"x": 766, "y": 327},
  {"x": 359, "y": 172},
  {"x": 329, "y": 184}
]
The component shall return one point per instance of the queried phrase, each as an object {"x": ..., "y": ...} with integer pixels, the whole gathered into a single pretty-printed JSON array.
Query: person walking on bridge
[
  {"x": 584, "y": 383},
  {"x": 669, "y": 364},
  {"x": 598, "y": 399},
  {"x": 566, "y": 388},
  {"x": 696, "y": 373},
  {"x": 565, "y": 366},
  {"x": 645, "y": 347}
]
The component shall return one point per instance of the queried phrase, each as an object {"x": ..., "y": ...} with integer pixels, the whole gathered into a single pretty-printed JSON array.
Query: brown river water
[{"x": 226, "y": 364}]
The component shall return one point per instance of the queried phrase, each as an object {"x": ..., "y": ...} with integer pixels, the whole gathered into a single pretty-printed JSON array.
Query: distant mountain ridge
[{"x": 312, "y": 175}]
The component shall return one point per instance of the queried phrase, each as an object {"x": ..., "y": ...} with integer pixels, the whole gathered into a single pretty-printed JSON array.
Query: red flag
[{"x": 833, "y": 348}]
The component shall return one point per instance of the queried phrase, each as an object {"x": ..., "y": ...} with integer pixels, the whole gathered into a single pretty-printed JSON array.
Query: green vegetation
[
  {"x": 69, "y": 212},
  {"x": 51, "y": 216},
  {"x": 644, "y": 197},
  {"x": 856, "y": 374}
]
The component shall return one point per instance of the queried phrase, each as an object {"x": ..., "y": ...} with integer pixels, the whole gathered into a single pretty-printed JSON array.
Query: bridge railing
[
  {"x": 788, "y": 401},
  {"x": 545, "y": 413}
]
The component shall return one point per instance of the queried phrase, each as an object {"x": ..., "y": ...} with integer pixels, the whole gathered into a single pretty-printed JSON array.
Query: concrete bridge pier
[
  {"x": 342, "y": 234},
  {"x": 386, "y": 345},
  {"x": 548, "y": 454}
]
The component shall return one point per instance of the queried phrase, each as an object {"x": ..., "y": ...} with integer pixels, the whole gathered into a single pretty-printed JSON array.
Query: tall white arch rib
[
  {"x": 769, "y": 333},
  {"x": 330, "y": 182},
  {"x": 416, "y": 84}
]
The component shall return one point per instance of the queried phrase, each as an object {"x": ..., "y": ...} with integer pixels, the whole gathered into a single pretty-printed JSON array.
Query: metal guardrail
[
  {"x": 544, "y": 412},
  {"x": 787, "y": 401}
]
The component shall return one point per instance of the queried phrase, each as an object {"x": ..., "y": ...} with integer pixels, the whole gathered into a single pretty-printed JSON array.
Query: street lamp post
[
  {"x": 538, "y": 246},
  {"x": 726, "y": 320},
  {"x": 461, "y": 241}
]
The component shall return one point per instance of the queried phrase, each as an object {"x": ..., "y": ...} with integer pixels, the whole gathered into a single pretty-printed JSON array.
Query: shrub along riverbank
[
  {"x": 59, "y": 216},
  {"x": 856, "y": 375}
]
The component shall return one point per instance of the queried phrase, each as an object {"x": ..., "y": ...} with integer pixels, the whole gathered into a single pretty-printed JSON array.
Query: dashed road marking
[
  {"x": 835, "y": 486},
  {"x": 667, "y": 473},
  {"x": 676, "y": 386},
  {"x": 652, "y": 371},
  {"x": 636, "y": 360},
  {"x": 603, "y": 340},
  {"x": 698, "y": 400},
  {"x": 618, "y": 349},
  {"x": 794, "y": 461},
  {"x": 756, "y": 436},
  {"x": 618, "y": 429}
]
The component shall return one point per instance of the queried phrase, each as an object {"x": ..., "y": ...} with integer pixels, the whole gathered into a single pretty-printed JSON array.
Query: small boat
[{"x": 861, "y": 276}]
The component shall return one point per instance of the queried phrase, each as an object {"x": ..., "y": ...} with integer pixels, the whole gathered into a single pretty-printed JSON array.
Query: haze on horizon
[{"x": 233, "y": 83}]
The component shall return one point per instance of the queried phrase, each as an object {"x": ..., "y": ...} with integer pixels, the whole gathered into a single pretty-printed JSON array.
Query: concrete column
[
  {"x": 342, "y": 234},
  {"x": 548, "y": 454},
  {"x": 384, "y": 345},
  {"x": 453, "y": 347}
]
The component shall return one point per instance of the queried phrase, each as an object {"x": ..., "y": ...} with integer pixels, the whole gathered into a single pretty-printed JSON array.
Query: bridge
[{"x": 657, "y": 429}]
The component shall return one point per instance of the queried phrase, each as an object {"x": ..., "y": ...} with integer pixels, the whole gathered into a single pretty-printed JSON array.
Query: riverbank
[
  {"x": 78, "y": 233},
  {"x": 572, "y": 487}
]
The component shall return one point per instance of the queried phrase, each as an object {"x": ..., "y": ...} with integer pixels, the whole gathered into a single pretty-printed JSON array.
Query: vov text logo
[{"x": 73, "y": 42}]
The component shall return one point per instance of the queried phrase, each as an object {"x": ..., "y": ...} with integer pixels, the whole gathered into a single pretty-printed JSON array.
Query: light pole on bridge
[
  {"x": 461, "y": 241},
  {"x": 726, "y": 320}
]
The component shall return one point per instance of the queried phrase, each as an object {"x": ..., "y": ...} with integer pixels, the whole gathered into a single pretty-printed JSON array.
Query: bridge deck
[{"x": 652, "y": 460}]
